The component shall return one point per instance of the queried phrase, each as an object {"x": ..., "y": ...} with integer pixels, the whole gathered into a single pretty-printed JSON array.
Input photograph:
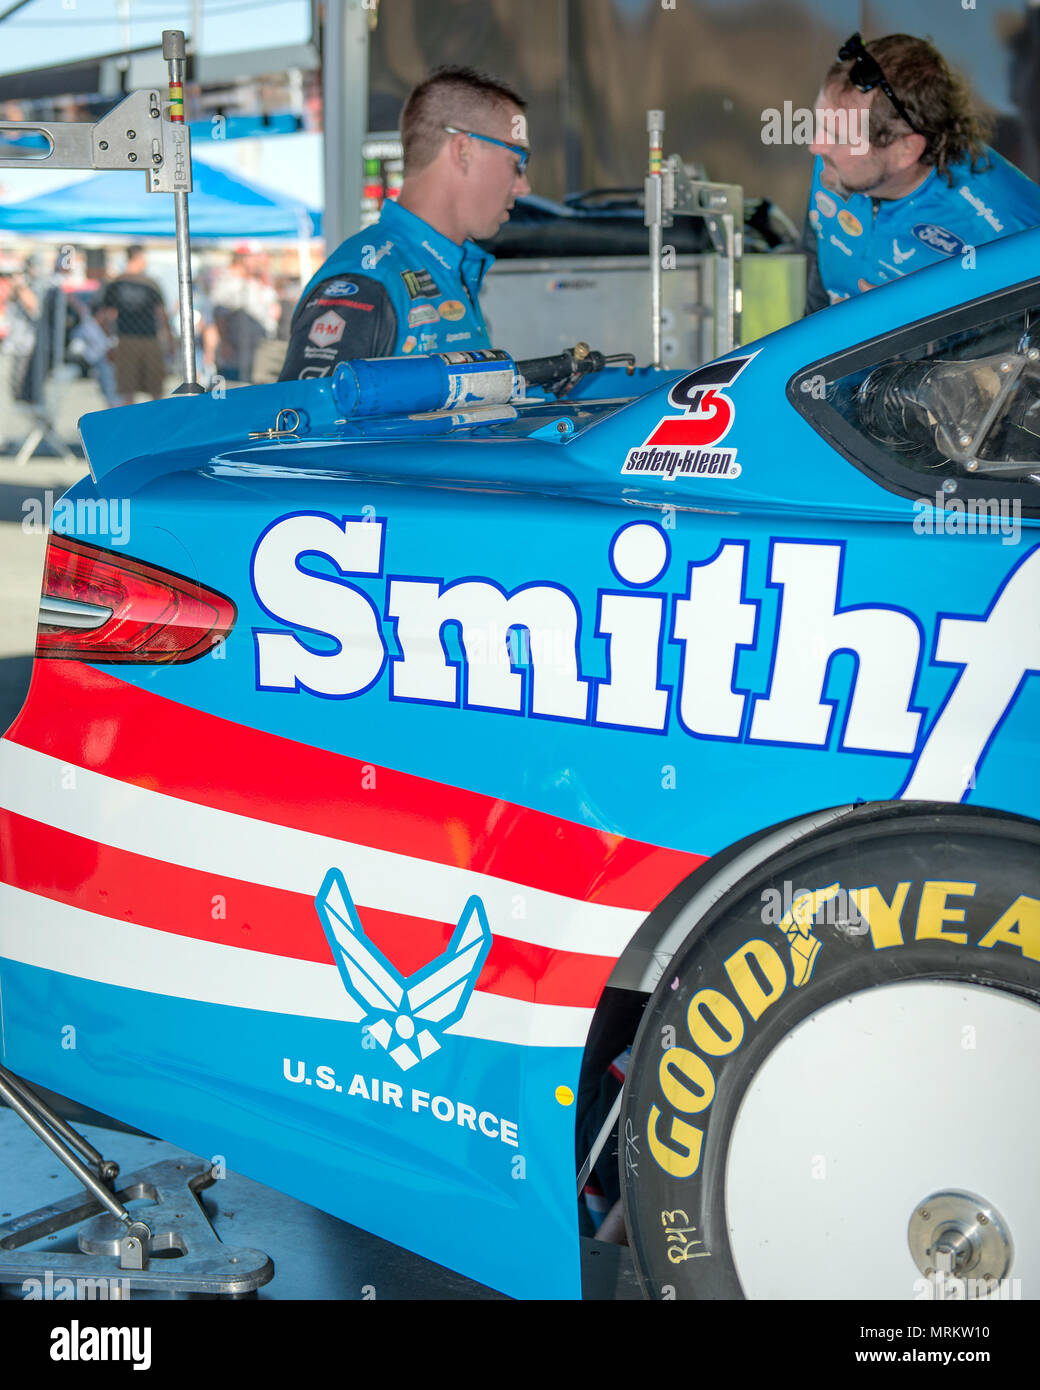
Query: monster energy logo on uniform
[{"x": 420, "y": 284}]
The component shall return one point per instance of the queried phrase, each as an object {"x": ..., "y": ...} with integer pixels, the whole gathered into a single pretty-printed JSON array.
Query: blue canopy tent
[{"x": 118, "y": 205}]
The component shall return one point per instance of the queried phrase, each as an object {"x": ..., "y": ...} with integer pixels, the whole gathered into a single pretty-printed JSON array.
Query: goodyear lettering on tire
[{"x": 769, "y": 957}]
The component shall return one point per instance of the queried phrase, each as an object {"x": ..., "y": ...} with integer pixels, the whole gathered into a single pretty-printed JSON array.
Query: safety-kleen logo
[
  {"x": 685, "y": 443},
  {"x": 405, "y": 1016}
]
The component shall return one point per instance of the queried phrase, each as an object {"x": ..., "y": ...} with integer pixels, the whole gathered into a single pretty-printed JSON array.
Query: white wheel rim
[{"x": 863, "y": 1110}]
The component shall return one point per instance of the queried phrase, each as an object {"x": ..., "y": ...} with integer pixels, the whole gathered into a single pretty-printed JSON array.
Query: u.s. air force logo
[{"x": 405, "y": 1016}]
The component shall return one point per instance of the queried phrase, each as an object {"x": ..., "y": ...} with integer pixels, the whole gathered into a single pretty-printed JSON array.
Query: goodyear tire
[{"x": 849, "y": 1032}]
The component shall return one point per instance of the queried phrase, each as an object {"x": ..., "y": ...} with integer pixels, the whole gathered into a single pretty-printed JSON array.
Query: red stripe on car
[
  {"x": 150, "y": 741},
  {"x": 150, "y": 893}
]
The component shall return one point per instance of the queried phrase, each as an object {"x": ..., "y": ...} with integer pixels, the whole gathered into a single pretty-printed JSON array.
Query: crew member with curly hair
[{"x": 923, "y": 185}]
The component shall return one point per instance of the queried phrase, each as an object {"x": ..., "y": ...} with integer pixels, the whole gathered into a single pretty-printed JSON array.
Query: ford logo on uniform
[{"x": 939, "y": 239}]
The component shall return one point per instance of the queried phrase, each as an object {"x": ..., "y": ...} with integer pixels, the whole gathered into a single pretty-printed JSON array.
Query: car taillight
[{"x": 99, "y": 606}]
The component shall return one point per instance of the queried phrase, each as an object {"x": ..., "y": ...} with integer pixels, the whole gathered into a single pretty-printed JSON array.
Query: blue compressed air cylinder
[{"x": 410, "y": 385}]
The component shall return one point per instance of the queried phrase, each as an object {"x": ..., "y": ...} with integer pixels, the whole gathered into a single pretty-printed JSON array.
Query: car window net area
[{"x": 963, "y": 406}]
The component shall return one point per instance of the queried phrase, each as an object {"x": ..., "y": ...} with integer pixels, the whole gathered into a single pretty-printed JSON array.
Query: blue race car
[{"x": 401, "y": 751}]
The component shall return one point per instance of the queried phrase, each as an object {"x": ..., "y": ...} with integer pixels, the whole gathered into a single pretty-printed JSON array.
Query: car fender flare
[
  {"x": 655, "y": 943},
  {"x": 646, "y": 957}
]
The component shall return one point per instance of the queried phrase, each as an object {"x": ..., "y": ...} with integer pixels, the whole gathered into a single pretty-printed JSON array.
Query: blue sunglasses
[{"x": 521, "y": 153}]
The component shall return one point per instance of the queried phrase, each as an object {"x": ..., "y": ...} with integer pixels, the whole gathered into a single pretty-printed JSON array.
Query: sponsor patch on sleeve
[
  {"x": 421, "y": 313},
  {"x": 348, "y": 304},
  {"x": 327, "y": 328},
  {"x": 420, "y": 284}
]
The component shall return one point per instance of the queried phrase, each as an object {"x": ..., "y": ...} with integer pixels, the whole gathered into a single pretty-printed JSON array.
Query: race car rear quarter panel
[{"x": 690, "y": 676}]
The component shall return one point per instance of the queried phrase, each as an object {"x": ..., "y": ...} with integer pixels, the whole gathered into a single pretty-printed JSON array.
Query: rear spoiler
[{"x": 165, "y": 436}]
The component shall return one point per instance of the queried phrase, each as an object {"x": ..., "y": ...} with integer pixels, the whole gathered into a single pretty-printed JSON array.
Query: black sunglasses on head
[{"x": 865, "y": 74}]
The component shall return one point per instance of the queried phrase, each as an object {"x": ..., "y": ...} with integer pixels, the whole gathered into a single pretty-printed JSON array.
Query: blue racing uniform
[
  {"x": 396, "y": 287},
  {"x": 879, "y": 239}
]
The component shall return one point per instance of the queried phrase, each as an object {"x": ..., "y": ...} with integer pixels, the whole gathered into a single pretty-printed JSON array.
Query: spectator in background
[
  {"x": 288, "y": 290},
  {"x": 55, "y": 313},
  {"x": 245, "y": 314},
  {"x": 269, "y": 357},
  {"x": 95, "y": 349},
  {"x": 135, "y": 304},
  {"x": 21, "y": 310},
  {"x": 19, "y": 314},
  {"x": 265, "y": 295}
]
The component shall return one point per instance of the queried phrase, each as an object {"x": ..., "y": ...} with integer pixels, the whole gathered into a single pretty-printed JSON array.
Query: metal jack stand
[
  {"x": 668, "y": 189},
  {"x": 141, "y": 134},
  {"x": 43, "y": 430},
  {"x": 117, "y": 1246}
]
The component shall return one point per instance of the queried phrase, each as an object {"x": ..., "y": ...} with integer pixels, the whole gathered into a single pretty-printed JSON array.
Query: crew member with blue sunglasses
[{"x": 411, "y": 282}]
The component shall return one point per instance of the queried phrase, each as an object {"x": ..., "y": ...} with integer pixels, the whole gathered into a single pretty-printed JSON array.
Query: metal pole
[
  {"x": 653, "y": 216},
  {"x": 173, "y": 52},
  {"x": 93, "y": 1184},
  {"x": 572, "y": 151},
  {"x": 725, "y": 229},
  {"x": 344, "y": 95},
  {"x": 601, "y": 1138},
  {"x": 59, "y": 1125}
]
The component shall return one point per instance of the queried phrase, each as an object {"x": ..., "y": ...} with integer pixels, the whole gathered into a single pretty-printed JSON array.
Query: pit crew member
[
  {"x": 923, "y": 187},
  {"x": 411, "y": 282}
]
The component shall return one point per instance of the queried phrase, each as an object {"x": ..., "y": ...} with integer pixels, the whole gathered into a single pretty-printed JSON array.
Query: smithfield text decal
[{"x": 344, "y": 626}]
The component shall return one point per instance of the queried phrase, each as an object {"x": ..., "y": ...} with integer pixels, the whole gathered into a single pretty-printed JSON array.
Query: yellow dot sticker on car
[
  {"x": 849, "y": 224},
  {"x": 451, "y": 309}
]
